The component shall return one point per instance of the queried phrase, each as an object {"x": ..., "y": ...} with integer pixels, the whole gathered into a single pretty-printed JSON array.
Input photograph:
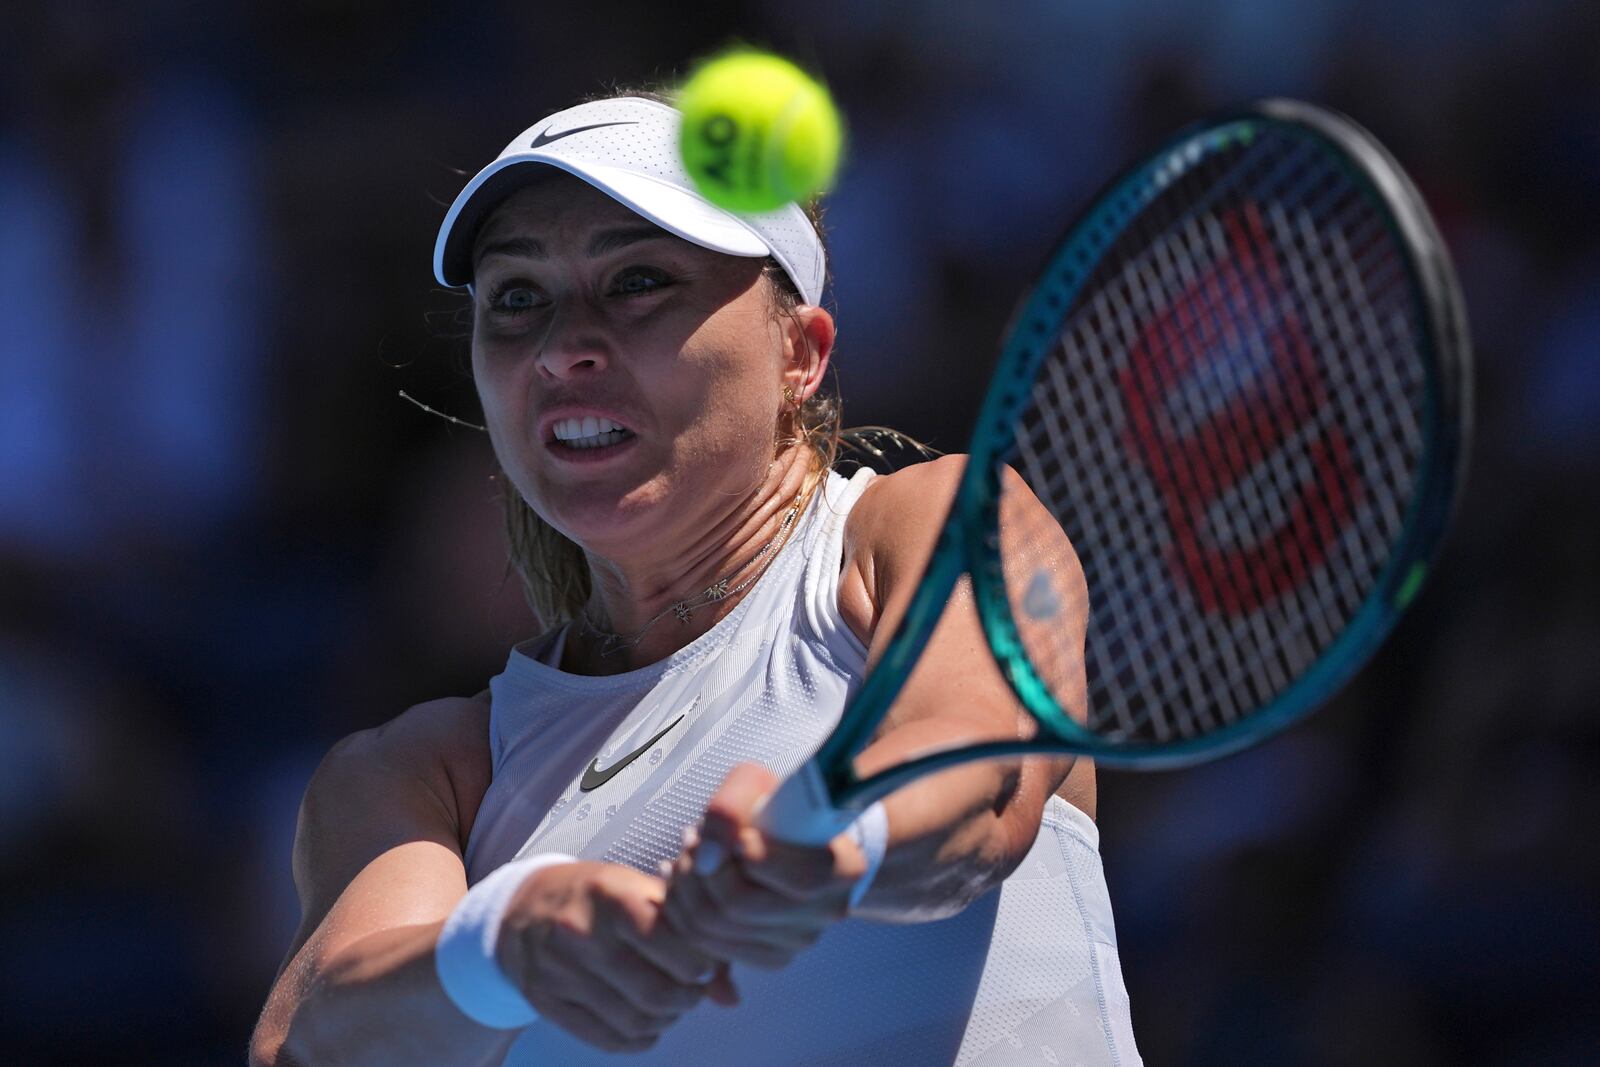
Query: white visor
[{"x": 627, "y": 148}]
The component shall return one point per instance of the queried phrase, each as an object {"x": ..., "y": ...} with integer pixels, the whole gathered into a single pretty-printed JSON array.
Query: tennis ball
[{"x": 758, "y": 132}]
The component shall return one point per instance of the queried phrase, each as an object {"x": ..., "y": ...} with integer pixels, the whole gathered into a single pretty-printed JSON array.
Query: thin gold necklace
[{"x": 612, "y": 643}]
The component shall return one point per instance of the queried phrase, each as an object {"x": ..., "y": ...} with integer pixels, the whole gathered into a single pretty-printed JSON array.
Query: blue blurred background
[{"x": 225, "y": 542}]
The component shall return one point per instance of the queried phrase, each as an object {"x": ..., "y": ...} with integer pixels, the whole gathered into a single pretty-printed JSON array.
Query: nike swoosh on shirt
[
  {"x": 543, "y": 137},
  {"x": 594, "y": 777}
]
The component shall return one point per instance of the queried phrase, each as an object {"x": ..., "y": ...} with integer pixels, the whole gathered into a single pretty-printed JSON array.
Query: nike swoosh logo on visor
[
  {"x": 544, "y": 138},
  {"x": 594, "y": 777}
]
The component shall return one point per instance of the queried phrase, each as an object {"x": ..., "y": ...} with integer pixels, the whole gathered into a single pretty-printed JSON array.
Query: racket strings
[
  {"x": 1250, "y": 353},
  {"x": 1142, "y": 668},
  {"x": 1359, "y": 386},
  {"x": 1319, "y": 488},
  {"x": 1199, "y": 331}
]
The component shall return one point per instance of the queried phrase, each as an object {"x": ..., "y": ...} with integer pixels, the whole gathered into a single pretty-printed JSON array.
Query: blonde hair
[{"x": 553, "y": 569}]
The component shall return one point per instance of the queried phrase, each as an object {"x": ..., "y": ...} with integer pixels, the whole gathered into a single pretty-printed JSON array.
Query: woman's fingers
[
  {"x": 821, "y": 876},
  {"x": 761, "y": 900},
  {"x": 735, "y": 804},
  {"x": 731, "y": 827},
  {"x": 634, "y": 923},
  {"x": 665, "y": 947},
  {"x": 719, "y": 928},
  {"x": 594, "y": 1026},
  {"x": 597, "y": 962},
  {"x": 722, "y": 990},
  {"x": 735, "y": 897},
  {"x": 614, "y": 977}
]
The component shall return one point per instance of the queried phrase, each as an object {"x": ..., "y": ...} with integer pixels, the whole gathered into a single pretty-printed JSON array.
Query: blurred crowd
[{"x": 225, "y": 541}]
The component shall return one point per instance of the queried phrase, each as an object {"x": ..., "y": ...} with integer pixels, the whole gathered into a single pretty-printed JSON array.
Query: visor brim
[{"x": 673, "y": 209}]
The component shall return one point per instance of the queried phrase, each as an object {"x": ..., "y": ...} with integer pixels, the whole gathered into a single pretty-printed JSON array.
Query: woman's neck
[{"x": 639, "y": 614}]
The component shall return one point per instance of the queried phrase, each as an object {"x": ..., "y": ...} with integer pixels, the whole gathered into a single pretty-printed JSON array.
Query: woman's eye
[
  {"x": 639, "y": 280},
  {"x": 513, "y": 297}
]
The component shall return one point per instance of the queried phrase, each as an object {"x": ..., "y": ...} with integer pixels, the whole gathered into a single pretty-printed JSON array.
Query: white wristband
[
  {"x": 464, "y": 956},
  {"x": 871, "y": 832}
]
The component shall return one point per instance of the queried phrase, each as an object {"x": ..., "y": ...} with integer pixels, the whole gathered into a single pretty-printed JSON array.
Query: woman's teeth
[{"x": 589, "y": 432}]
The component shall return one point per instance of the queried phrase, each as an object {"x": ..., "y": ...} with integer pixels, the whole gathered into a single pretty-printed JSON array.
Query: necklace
[{"x": 612, "y": 643}]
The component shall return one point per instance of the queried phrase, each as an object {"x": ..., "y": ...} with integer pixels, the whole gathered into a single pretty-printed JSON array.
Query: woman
[{"x": 649, "y": 368}]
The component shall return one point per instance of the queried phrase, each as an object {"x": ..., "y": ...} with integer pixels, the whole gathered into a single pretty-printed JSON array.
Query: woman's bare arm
[
  {"x": 378, "y": 864},
  {"x": 959, "y": 833},
  {"x": 378, "y": 867},
  {"x": 951, "y": 836}
]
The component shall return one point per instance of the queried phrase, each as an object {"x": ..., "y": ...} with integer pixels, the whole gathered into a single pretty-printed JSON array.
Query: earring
[{"x": 789, "y": 397}]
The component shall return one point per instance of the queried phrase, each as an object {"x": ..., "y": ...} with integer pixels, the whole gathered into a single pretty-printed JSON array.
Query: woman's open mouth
[{"x": 591, "y": 436}]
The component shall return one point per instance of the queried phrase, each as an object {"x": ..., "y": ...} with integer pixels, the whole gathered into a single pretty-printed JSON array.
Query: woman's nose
[{"x": 576, "y": 342}]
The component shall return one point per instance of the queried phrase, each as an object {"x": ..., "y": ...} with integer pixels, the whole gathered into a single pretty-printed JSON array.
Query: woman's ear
[{"x": 808, "y": 335}]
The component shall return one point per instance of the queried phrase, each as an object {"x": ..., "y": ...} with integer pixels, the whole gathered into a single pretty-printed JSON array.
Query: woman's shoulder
[
  {"x": 410, "y": 780},
  {"x": 441, "y": 746},
  {"x": 906, "y": 505},
  {"x": 444, "y": 725}
]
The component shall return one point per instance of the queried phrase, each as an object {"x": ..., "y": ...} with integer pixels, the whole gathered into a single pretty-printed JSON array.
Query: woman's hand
[
  {"x": 586, "y": 943},
  {"x": 768, "y": 899}
]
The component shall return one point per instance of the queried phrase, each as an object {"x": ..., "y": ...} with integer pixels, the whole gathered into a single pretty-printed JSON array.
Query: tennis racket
[{"x": 1241, "y": 386}]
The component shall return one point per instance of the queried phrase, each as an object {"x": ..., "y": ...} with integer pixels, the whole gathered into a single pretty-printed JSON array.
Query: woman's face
[{"x": 586, "y": 318}]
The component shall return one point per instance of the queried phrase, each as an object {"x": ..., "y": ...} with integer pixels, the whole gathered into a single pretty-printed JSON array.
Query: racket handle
[{"x": 802, "y": 812}]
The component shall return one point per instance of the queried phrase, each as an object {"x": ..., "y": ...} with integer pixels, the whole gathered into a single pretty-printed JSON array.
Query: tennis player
[{"x": 513, "y": 877}]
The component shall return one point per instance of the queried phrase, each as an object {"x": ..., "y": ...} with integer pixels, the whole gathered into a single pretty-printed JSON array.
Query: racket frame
[{"x": 969, "y": 540}]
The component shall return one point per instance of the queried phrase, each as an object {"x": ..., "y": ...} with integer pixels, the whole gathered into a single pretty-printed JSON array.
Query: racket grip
[{"x": 801, "y": 810}]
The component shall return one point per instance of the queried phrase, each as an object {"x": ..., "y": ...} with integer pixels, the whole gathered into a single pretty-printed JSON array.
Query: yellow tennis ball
[{"x": 758, "y": 132}]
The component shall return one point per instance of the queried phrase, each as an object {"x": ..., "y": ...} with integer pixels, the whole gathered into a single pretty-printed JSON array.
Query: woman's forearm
[
  {"x": 955, "y": 835},
  {"x": 377, "y": 1001}
]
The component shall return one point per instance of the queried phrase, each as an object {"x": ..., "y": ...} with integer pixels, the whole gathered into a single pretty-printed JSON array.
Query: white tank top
[{"x": 1025, "y": 975}]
